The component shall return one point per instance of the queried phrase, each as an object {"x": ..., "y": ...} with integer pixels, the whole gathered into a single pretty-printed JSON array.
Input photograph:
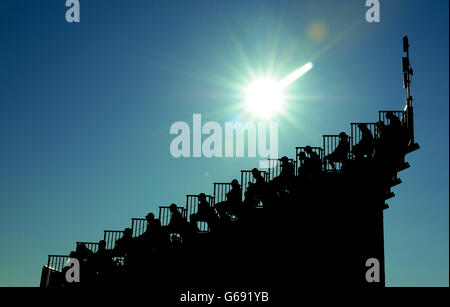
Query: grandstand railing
[
  {"x": 298, "y": 150},
  {"x": 57, "y": 262},
  {"x": 220, "y": 191},
  {"x": 330, "y": 142},
  {"x": 165, "y": 214},
  {"x": 111, "y": 236},
  {"x": 93, "y": 246},
  {"x": 138, "y": 226}
]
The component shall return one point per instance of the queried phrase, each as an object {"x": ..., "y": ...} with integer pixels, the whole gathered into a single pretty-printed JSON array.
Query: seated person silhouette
[
  {"x": 191, "y": 229},
  {"x": 309, "y": 165},
  {"x": 340, "y": 154},
  {"x": 123, "y": 245},
  {"x": 250, "y": 200},
  {"x": 258, "y": 185},
  {"x": 177, "y": 221},
  {"x": 313, "y": 162},
  {"x": 233, "y": 202},
  {"x": 152, "y": 234},
  {"x": 303, "y": 168},
  {"x": 84, "y": 253},
  {"x": 395, "y": 139},
  {"x": 394, "y": 122},
  {"x": 395, "y": 132},
  {"x": 366, "y": 145},
  {"x": 153, "y": 226},
  {"x": 102, "y": 261},
  {"x": 205, "y": 212},
  {"x": 287, "y": 172}
]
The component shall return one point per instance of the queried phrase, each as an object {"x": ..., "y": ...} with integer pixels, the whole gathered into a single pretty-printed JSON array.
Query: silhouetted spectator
[
  {"x": 103, "y": 263},
  {"x": 233, "y": 201},
  {"x": 314, "y": 165},
  {"x": 85, "y": 257},
  {"x": 340, "y": 154},
  {"x": 84, "y": 253},
  {"x": 250, "y": 200},
  {"x": 287, "y": 172},
  {"x": 310, "y": 163},
  {"x": 259, "y": 180},
  {"x": 366, "y": 144},
  {"x": 303, "y": 168},
  {"x": 205, "y": 212},
  {"x": 396, "y": 140},
  {"x": 394, "y": 122},
  {"x": 234, "y": 197},
  {"x": 153, "y": 227},
  {"x": 123, "y": 245},
  {"x": 258, "y": 186},
  {"x": 191, "y": 230},
  {"x": 177, "y": 221},
  {"x": 396, "y": 134},
  {"x": 283, "y": 181}
]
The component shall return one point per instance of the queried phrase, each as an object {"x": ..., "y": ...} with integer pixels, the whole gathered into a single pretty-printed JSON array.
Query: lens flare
[{"x": 265, "y": 96}]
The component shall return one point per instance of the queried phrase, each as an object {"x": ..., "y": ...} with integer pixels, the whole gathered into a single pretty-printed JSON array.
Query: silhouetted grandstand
[{"x": 318, "y": 226}]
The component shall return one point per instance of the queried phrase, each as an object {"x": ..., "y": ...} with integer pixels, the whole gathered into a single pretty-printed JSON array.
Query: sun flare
[{"x": 264, "y": 97}]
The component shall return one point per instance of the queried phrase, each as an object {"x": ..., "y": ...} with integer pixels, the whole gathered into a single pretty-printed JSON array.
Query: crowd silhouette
[{"x": 182, "y": 234}]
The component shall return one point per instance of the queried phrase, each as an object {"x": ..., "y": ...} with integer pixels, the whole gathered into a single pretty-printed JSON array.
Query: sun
[{"x": 264, "y": 97}]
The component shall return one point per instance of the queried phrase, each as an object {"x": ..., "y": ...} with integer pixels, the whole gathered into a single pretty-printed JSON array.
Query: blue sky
[{"x": 85, "y": 112}]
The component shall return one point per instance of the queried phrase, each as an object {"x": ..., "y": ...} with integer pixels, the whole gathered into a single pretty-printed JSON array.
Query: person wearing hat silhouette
[{"x": 340, "y": 154}]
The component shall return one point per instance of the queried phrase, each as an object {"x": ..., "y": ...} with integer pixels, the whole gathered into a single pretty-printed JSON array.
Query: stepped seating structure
[{"x": 321, "y": 228}]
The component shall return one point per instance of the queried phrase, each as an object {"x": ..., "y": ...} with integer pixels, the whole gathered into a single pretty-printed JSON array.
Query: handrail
[
  {"x": 138, "y": 226},
  {"x": 111, "y": 236},
  {"x": 93, "y": 246}
]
